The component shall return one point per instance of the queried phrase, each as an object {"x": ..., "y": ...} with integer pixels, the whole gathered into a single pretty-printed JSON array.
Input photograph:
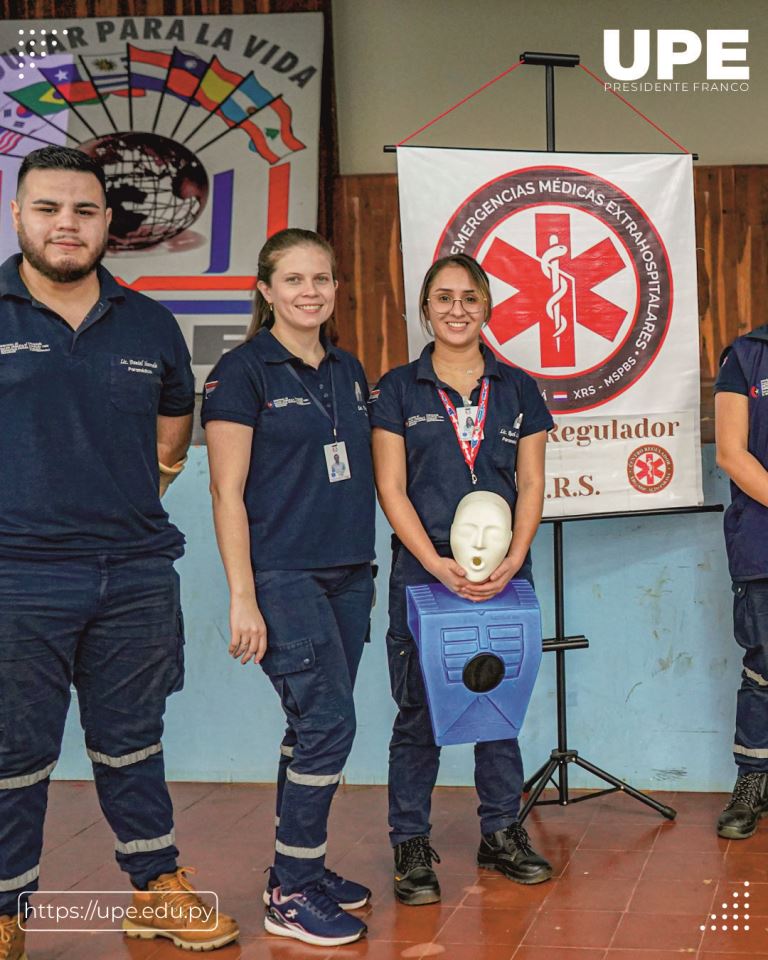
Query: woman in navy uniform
[
  {"x": 296, "y": 535},
  {"x": 741, "y": 434},
  {"x": 424, "y": 466}
]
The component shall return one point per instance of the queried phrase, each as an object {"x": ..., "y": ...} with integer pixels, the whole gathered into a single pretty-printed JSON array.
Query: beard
[{"x": 35, "y": 256}]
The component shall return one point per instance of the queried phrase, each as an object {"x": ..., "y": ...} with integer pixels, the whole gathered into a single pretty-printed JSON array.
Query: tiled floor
[{"x": 628, "y": 884}]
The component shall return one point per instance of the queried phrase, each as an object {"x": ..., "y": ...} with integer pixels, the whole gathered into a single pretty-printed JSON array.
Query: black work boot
[
  {"x": 748, "y": 803},
  {"x": 415, "y": 880},
  {"x": 510, "y": 852}
]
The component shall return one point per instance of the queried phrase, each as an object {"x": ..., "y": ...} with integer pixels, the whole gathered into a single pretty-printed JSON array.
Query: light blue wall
[{"x": 652, "y": 700}]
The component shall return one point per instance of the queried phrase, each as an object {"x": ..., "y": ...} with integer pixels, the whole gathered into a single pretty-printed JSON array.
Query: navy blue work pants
[
  {"x": 113, "y": 628},
  {"x": 317, "y": 622},
  {"x": 750, "y": 625},
  {"x": 414, "y": 758}
]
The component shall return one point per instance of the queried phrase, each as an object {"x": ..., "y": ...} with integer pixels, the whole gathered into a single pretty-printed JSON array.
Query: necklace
[{"x": 453, "y": 369}]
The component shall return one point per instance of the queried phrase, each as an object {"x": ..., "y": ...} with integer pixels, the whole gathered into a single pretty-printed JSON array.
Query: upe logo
[
  {"x": 677, "y": 48},
  {"x": 581, "y": 282}
]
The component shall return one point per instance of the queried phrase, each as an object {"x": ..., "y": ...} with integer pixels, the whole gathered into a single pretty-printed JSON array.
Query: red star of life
[
  {"x": 555, "y": 290},
  {"x": 651, "y": 469}
]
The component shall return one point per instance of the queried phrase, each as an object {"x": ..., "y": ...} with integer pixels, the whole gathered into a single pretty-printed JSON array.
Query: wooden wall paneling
[
  {"x": 732, "y": 246},
  {"x": 371, "y": 303}
]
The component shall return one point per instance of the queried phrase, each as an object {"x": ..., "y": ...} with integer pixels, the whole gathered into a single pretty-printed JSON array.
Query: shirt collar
[
  {"x": 425, "y": 370},
  {"x": 274, "y": 352},
  {"x": 11, "y": 284},
  {"x": 759, "y": 333}
]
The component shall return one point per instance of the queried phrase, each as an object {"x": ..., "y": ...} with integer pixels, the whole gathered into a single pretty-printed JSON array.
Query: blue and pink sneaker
[
  {"x": 312, "y": 917},
  {"x": 348, "y": 894}
]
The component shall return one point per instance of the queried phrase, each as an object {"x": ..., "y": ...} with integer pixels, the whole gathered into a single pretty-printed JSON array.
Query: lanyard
[
  {"x": 469, "y": 448},
  {"x": 334, "y": 421}
]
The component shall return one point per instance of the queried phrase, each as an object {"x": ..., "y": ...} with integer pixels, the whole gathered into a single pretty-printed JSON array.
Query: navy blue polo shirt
[
  {"x": 744, "y": 370},
  {"x": 298, "y": 519},
  {"x": 406, "y": 402},
  {"x": 78, "y": 445}
]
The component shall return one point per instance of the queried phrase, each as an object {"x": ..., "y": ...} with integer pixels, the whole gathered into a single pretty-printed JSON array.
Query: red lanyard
[{"x": 469, "y": 448}]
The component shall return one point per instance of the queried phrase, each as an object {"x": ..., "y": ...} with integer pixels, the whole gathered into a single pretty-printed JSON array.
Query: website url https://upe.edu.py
[{"x": 103, "y": 911}]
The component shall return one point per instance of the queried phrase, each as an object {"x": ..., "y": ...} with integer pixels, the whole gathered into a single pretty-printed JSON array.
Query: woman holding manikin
[
  {"x": 282, "y": 413},
  {"x": 427, "y": 458}
]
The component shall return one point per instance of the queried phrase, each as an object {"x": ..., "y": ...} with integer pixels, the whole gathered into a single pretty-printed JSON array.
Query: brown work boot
[
  {"x": 11, "y": 939},
  {"x": 171, "y": 908}
]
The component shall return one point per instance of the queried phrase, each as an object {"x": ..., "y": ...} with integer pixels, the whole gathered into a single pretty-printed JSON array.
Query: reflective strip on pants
[
  {"x": 16, "y": 883},
  {"x": 286, "y": 751},
  {"x": 759, "y": 752},
  {"x": 127, "y": 759},
  {"x": 301, "y": 853},
  {"x": 312, "y": 779},
  {"x": 27, "y": 779},
  {"x": 145, "y": 846},
  {"x": 751, "y": 675}
]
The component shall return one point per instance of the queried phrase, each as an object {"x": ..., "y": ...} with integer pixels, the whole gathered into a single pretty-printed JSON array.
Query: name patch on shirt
[
  {"x": 288, "y": 401},
  {"x": 29, "y": 345},
  {"x": 424, "y": 418},
  {"x": 138, "y": 366},
  {"x": 511, "y": 434}
]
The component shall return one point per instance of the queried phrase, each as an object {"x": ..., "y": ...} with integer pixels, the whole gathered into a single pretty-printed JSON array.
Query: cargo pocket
[
  {"x": 177, "y": 682},
  {"x": 296, "y": 675},
  {"x": 400, "y": 652}
]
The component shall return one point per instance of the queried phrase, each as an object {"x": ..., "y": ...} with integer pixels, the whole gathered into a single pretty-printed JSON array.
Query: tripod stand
[{"x": 563, "y": 755}]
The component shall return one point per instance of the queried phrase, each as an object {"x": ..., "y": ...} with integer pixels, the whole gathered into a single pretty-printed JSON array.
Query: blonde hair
[{"x": 278, "y": 245}]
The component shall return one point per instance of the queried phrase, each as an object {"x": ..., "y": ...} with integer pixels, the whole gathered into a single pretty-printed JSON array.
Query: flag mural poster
[
  {"x": 208, "y": 132},
  {"x": 591, "y": 260}
]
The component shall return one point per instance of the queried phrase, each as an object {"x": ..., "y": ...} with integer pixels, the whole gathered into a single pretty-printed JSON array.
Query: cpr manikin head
[{"x": 481, "y": 533}]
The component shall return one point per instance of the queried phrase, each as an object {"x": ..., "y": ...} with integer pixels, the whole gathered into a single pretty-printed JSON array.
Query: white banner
[
  {"x": 207, "y": 129},
  {"x": 592, "y": 264}
]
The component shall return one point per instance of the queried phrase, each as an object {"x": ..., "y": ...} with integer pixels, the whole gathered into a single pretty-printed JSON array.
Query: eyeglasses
[{"x": 471, "y": 302}]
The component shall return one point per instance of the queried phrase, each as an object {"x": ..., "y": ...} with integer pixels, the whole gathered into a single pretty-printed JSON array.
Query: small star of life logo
[
  {"x": 734, "y": 918},
  {"x": 581, "y": 281},
  {"x": 650, "y": 468}
]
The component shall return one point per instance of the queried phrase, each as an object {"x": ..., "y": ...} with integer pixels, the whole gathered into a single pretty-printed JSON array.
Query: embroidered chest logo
[
  {"x": 29, "y": 345},
  {"x": 279, "y": 402},
  {"x": 424, "y": 418}
]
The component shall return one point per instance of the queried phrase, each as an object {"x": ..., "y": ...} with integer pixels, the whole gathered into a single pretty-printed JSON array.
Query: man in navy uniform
[
  {"x": 95, "y": 389},
  {"x": 741, "y": 415}
]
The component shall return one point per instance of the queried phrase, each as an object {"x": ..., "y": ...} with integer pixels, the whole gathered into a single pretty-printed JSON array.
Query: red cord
[
  {"x": 638, "y": 112},
  {"x": 469, "y": 97},
  {"x": 514, "y": 67}
]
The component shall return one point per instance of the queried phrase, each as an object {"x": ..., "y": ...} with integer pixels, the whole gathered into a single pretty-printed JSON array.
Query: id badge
[
  {"x": 467, "y": 417},
  {"x": 336, "y": 461}
]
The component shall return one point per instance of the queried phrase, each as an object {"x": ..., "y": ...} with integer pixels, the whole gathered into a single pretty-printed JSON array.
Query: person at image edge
[
  {"x": 95, "y": 388},
  {"x": 741, "y": 436}
]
